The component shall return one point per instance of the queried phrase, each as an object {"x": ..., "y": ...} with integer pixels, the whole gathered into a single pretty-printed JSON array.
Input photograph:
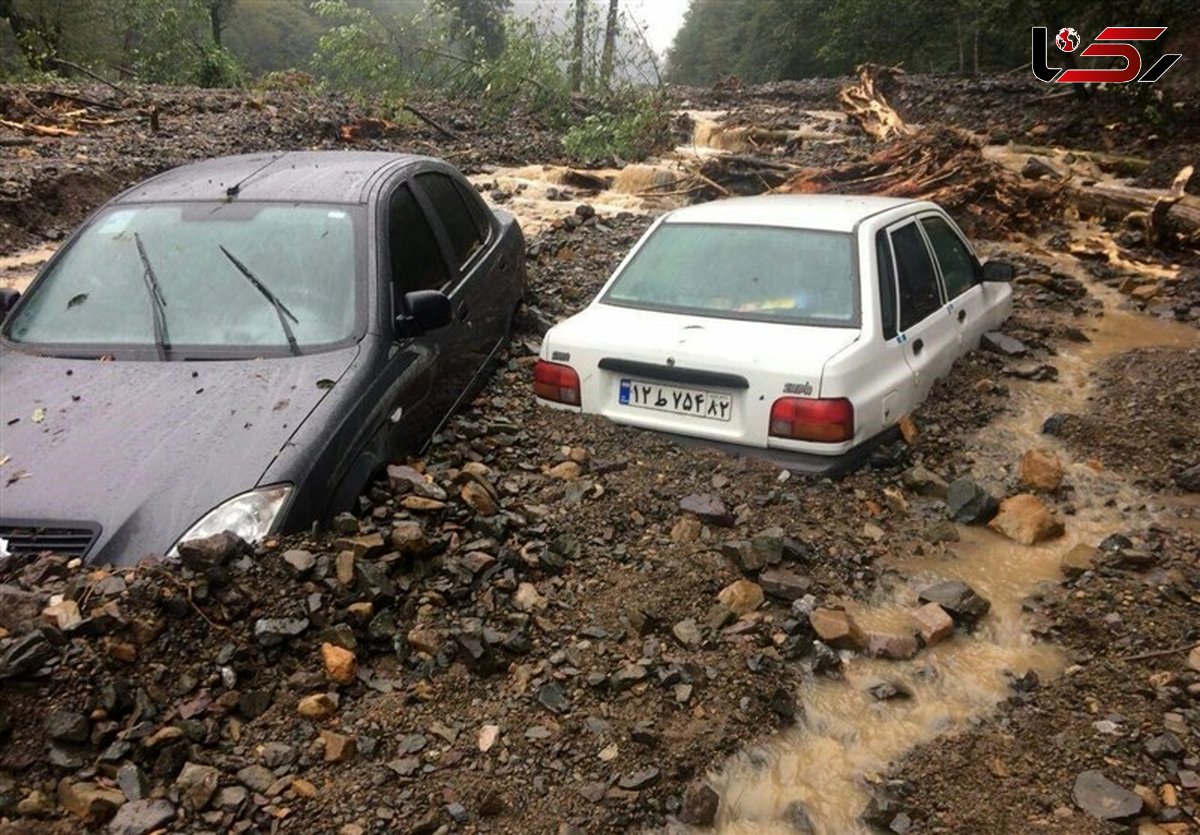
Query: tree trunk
[
  {"x": 26, "y": 30},
  {"x": 214, "y": 18},
  {"x": 577, "y": 52},
  {"x": 610, "y": 42}
]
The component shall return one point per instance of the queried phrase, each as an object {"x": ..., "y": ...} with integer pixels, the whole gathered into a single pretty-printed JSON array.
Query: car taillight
[
  {"x": 813, "y": 419},
  {"x": 552, "y": 381}
]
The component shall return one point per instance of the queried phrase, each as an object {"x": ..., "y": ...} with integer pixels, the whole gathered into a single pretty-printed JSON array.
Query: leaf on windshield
[
  {"x": 4, "y": 459},
  {"x": 17, "y": 476},
  {"x": 283, "y": 404},
  {"x": 39, "y": 414},
  {"x": 77, "y": 300},
  {"x": 325, "y": 383}
]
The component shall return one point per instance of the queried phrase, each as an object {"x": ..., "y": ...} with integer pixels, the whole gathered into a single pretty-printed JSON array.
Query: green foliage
[
  {"x": 218, "y": 68},
  {"x": 478, "y": 23},
  {"x": 357, "y": 54},
  {"x": 631, "y": 126}
]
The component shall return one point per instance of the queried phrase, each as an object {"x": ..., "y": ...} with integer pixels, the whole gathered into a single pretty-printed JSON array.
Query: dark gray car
[{"x": 241, "y": 344}]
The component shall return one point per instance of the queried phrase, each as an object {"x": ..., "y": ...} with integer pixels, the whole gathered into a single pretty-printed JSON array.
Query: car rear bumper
[{"x": 807, "y": 463}]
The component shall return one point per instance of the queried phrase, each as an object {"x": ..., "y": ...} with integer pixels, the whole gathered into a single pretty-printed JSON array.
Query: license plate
[{"x": 711, "y": 405}]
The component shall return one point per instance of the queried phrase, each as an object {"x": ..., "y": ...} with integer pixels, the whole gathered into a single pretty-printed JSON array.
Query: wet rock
[
  {"x": 133, "y": 782},
  {"x": 1189, "y": 479},
  {"x": 68, "y": 726},
  {"x": 299, "y": 562},
  {"x": 1081, "y": 558},
  {"x": 741, "y": 596},
  {"x": 566, "y": 471},
  {"x": 317, "y": 706},
  {"x": 253, "y": 703},
  {"x": 768, "y": 545},
  {"x": 1039, "y": 372},
  {"x": 476, "y": 653},
  {"x": 552, "y": 697},
  {"x": 784, "y": 584},
  {"x": 886, "y": 690},
  {"x": 1193, "y": 659},
  {"x": 257, "y": 778},
  {"x": 90, "y": 802},
  {"x": 340, "y": 664},
  {"x": 270, "y": 632},
  {"x": 969, "y": 503},
  {"x": 63, "y": 615},
  {"x": 338, "y": 747},
  {"x": 796, "y": 817},
  {"x": 527, "y": 598},
  {"x": 1101, "y": 798},
  {"x": 627, "y": 676},
  {"x": 371, "y": 579},
  {"x": 957, "y": 598},
  {"x": 687, "y": 633},
  {"x": 202, "y": 555},
  {"x": 25, "y": 654},
  {"x": 363, "y": 547},
  {"x": 939, "y": 532},
  {"x": 197, "y": 784},
  {"x": 836, "y": 628},
  {"x": 18, "y": 608},
  {"x": 933, "y": 623},
  {"x": 479, "y": 498},
  {"x": 700, "y": 803},
  {"x": 1053, "y": 425},
  {"x": 744, "y": 556},
  {"x": 35, "y": 805},
  {"x": 924, "y": 482},
  {"x": 139, "y": 817},
  {"x": 1040, "y": 470},
  {"x": 639, "y": 780},
  {"x": 708, "y": 507},
  {"x": 488, "y": 735},
  {"x": 892, "y": 647},
  {"x": 1006, "y": 346},
  {"x": 1024, "y": 518},
  {"x": 1163, "y": 746}
]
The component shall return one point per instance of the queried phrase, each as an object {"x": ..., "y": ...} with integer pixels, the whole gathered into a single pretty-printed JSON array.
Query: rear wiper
[
  {"x": 161, "y": 345},
  {"x": 280, "y": 308}
]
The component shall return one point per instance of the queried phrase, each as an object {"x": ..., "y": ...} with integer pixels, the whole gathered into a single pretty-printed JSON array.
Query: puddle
[
  {"x": 847, "y": 738},
  {"x": 16, "y": 271}
]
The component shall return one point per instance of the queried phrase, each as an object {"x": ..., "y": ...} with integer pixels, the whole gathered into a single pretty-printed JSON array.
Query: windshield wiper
[
  {"x": 280, "y": 308},
  {"x": 161, "y": 345}
]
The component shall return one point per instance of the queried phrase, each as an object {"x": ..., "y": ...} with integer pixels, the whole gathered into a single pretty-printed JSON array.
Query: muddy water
[
  {"x": 16, "y": 271},
  {"x": 847, "y": 739}
]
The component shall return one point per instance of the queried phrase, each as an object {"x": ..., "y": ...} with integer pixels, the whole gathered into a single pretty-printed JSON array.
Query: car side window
[
  {"x": 452, "y": 210},
  {"x": 417, "y": 262},
  {"x": 919, "y": 294},
  {"x": 958, "y": 267},
  {"x": 887, "y": 285},
  {"x": 477, "y": 208}
]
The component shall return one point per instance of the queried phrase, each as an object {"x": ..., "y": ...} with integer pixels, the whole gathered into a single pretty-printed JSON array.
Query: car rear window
[{"x": 763, "y": 273}]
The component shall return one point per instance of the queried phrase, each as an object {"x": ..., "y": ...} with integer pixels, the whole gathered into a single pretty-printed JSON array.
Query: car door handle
[
  {"x": 962, "y": 315},
  {"x": 918, "y": 344}
]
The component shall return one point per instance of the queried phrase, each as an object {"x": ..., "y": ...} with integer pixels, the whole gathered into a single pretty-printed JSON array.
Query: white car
[{"x": 800, "y": 328}]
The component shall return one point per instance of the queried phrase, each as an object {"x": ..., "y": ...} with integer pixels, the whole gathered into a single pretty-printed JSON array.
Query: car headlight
[{"x": 251, "y": 515}]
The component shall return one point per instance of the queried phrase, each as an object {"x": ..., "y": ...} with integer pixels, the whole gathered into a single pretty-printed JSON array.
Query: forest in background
[{"x": 770, "y": 40}]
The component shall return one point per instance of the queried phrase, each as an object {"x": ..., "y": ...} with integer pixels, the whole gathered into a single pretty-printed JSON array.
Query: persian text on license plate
[{"x": 682, "y": 401}]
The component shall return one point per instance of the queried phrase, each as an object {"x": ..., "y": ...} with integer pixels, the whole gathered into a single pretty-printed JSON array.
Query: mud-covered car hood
[{"x": 143, "y": 449}]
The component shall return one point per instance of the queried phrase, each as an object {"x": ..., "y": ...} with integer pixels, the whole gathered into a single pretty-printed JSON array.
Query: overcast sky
[{"x": 661, "y": 18}]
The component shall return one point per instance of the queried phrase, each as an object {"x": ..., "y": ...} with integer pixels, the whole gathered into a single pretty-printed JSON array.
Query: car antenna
[{"x": 234, "y": 189}]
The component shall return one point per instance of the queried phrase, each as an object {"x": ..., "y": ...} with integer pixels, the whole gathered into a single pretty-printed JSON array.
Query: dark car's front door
[
  {"x": 478, "y": 296},
  {"x": 420, "y": 392}
]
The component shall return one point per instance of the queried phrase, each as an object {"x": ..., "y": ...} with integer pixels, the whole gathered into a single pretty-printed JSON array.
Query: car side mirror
[
  {"x": 998, "y": 271},
  {"x": 424, "y": 310},
  {"x": 8, "y": 300}
]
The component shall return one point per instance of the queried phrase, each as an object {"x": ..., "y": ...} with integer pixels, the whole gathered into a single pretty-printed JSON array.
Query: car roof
[
  {"x": 285, "y": 176},
  {"x": 824, "y": 212}
]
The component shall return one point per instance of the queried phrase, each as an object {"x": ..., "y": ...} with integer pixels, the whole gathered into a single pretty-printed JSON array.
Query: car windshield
[
  {"x": 764, "y": 273},
  {"x": 208, "y": 276}
]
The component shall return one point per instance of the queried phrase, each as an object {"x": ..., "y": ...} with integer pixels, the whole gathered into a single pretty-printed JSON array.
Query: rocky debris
[
  {"x": 925, "y": 482},
  {"x": 1189, "y": 479},
  {"x": 957, "y": 598},
  {"x": 18, "y": 608},
  {"x": 204, "y": 554},
  {"x": 891, "y": 647},
  {"x": 1101, "y": 798},
  {"x": 1000, "y": 343},
  {"x": 1079, "y": 559},
  {"x": 836, "y": 628},
  {"x": 933, "y": 624},
  {"x": 741, "y": 596},
  {"x": 886, "y": 690},
  {"x": 271, "y": 632},
  {"x": 139, "y": 817},
  {"x": 317, "y": 706},
  {"x": 63, "y": 615},
  {"x": 708, "y": 507},
  {"x": 197, "y": 784},
  {"x": 340, "y": 664},
  {"x": 700, "y": 803},
  {"x": 1024, "y": 518},
  {"x": 968, "y": 503},
  {"x": 90, "y": 802},
  {"x": 784, "y": 584},
  {"x": 1040, "y": 470}
]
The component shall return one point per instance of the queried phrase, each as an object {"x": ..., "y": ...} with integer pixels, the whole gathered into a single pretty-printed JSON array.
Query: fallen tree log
[
  {"x": 867, "y": 106},
  {"x": 38, "y": 130},
  {"x": 1161, "y": 213}
]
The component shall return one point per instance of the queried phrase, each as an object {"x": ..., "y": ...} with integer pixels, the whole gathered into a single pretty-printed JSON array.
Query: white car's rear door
[
  {"x": 966, "y": 303},
  {"x": 928, "y": 333}
]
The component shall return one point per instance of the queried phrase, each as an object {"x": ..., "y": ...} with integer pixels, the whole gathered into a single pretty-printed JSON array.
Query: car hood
[
  {"x": 143, "y": 449},
  {"x": 728, "y": 345}
]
